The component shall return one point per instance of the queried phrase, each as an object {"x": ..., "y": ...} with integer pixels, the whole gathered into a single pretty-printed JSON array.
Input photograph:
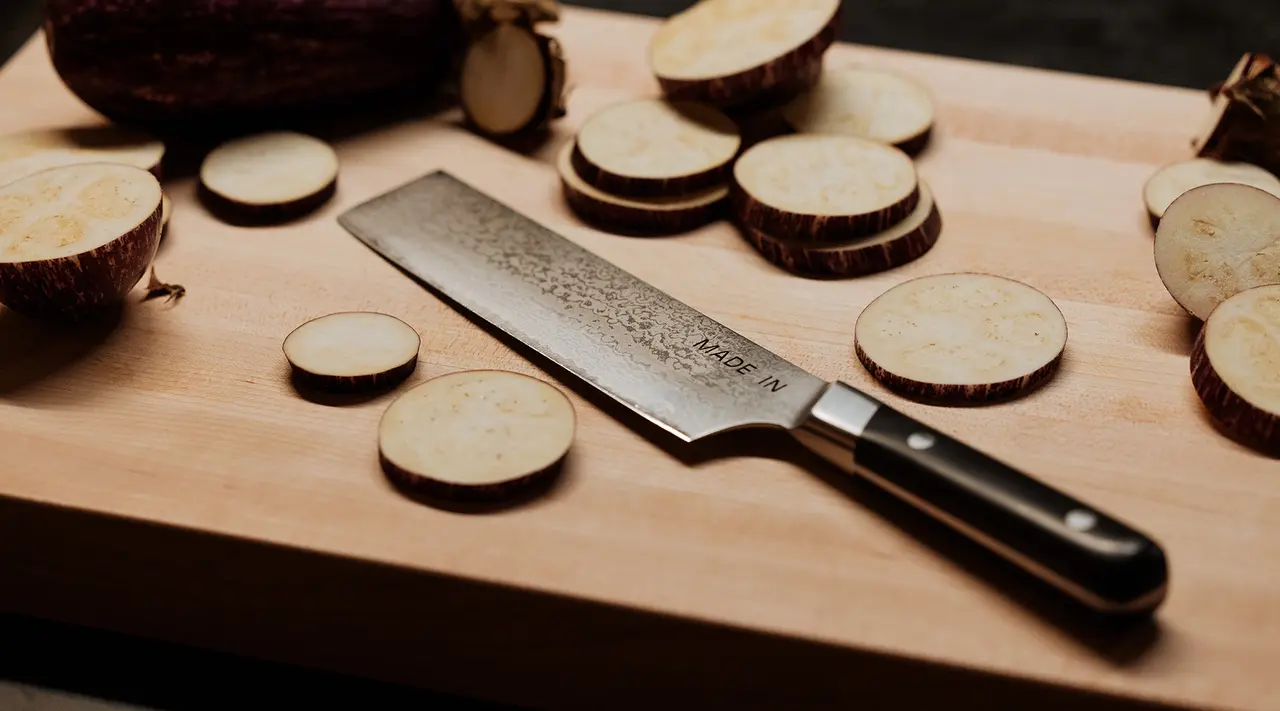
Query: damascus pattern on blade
[{"x": 672, "y": 364}]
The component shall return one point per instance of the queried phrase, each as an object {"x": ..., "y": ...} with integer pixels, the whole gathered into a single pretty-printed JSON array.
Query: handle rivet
[
  {"x": 920, "y": 440},
  {"x": 1081, "y": 520}
]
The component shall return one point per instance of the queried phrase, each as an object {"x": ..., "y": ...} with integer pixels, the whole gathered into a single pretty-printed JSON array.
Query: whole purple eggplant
[{"x": 205, "y": 64}]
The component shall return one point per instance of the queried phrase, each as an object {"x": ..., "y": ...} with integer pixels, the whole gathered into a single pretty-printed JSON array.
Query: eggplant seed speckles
[{"x": 966, "y": 337}]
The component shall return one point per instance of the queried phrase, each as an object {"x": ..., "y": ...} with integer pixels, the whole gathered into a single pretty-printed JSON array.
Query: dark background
[{"x": 1187, "y": 43}]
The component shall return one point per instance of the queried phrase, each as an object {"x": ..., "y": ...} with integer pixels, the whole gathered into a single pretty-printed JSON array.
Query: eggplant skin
[{"x": 187, "y": 64}]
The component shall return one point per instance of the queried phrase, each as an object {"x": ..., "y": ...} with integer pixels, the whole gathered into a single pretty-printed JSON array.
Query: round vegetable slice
[
  {"x": 1235, "y": 366},
  {"x": 353, "y": 351},
  {"x": 75, "y": 240},
  {"x": 653, "y": 147},
  {"x": 729, "y": 52},
  {"x": 512, "y": 81},
  {"x": 1215, "y": 241},
  {"x": 904, "y": 242},
  {"x": 270, "y": 176},
  {"x": 476, "y": 435},
  {"x": 961, "y": 338},
  {"x": 868, "y": 103},
  {"x": 1172, "y": 180},
  {"x": 658, "y": 215},
  {"x": 27, "y": 152},
  {"x": 823, "y": 188}
]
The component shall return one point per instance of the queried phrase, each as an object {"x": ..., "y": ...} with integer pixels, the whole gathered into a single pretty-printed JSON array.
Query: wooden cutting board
[{"x": 161, "y": 476}]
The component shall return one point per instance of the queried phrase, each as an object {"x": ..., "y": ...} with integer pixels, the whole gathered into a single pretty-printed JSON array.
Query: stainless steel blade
[{"x": 663, "y": 359}]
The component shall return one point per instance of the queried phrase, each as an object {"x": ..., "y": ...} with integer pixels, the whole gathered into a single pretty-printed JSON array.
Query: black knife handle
[{"x": 1078, "y": 549}]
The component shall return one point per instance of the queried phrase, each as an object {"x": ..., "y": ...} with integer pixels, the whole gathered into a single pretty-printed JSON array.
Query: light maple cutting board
[{"x": 161, "y": 477}]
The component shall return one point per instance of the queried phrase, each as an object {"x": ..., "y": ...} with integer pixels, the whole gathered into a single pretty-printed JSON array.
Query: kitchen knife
[{"x": 694, "y": 377}]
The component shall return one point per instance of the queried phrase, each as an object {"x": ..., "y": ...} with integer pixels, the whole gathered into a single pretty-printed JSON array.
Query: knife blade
[{"x": 694, "y": 377}]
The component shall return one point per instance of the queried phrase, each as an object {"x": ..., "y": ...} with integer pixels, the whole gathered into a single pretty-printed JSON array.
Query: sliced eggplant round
[
  {"x": 823, "y": 188},
  {"x": 1235, "y": 366},
  {"x": 269, "y": 177},
  {"x": 476, "y": 435},
  {"x": 27, "y": 152},
  {"x": 729, "y": 52},
  {"x": 352, "y": 351},
  {"x": 904, "y": 242},
  {"x": 512, "y": 81},
  {"x": 1172, "y": 180},
  {"x": 1215, "y": 241},
  {"x": 961, "y": 338},
  {"x": 74, "y": 240},
  {"x": 868, "y": 103},
  {"x": 656, "y": 148},
  {"x": 652, "y": 215}
]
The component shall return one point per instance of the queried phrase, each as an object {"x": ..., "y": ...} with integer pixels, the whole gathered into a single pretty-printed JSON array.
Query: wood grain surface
[{"x": 161, "y": 475}]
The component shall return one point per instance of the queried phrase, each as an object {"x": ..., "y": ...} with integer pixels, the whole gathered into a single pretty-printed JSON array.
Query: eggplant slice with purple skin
[
  {"x": 352, "y": 351},
  {"x": 903, "y": 243},
  {"x": 727, "y": 52},
  {"x": 1235, "y": 366},
  {"x": 633, "y": 215},
  {"x": 76, "y": 239},
  {"x": 823, "y": 188},
  {"x": 268, "y": 177},
  {"x": 961, "y": 338},
  {"x": 1173, "y": 179},
  {"x": 512, "y": 82},
  {"x": 1215, "y": 241},
  {"x": 869, "y": 103},
  {"x": 481, "y": 435},
  {"x": 656, "y": 148}
]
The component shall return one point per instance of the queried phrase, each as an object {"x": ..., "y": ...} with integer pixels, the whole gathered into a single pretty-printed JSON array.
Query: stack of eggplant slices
[
  {"x": 828, "y": 188},
  {"x": 815, "y": 165}
]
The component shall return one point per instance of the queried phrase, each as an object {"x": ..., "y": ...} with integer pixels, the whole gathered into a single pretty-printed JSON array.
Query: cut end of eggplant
[
  {"x": 1174, "y": 179},
  {"x": 512, "y": 81},
  {"x": 867, "y": 103},
  {"x": 76, "y": 239},
  {"x": 269, "y": 177},
  {"x": 1215, "y": 241},
  {"x": 640, "y": 215},
  {"x": 961, "y": 338},
  {"x": 28, "y": 152},
  {"x": 905, "y": 242},
  {"x": 654, "y": 147},
  {"x": 1242, "y": 125},
  {"x": 728, "y": 52},
  {"x": 823, "y": 188},
  {"x": 353, "y": 351},
  {"x": 476, "y": 435},
  {"x": 1235, "y": 366}
]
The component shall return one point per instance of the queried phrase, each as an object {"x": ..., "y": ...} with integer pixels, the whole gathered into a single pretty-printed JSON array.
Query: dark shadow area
[
  {"x": 525, "y": 143},
  {"x": 1191, "y": 332},
  {"x": 31, "y": 350},
  {"x": 408, "y": 630}
]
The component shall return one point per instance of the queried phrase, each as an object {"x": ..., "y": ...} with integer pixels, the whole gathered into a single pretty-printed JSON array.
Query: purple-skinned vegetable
[{"x": 209, "y": 65}]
